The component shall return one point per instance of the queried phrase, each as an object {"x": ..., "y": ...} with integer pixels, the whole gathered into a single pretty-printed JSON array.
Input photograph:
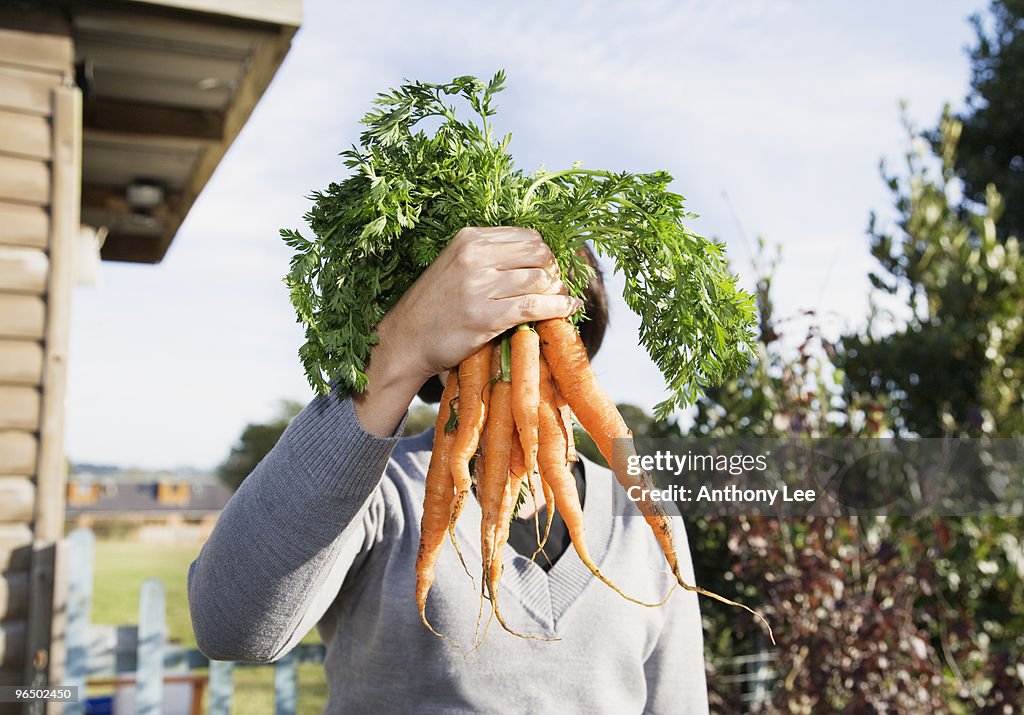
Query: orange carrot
[
  {"x": 437, "y": 498},
  {"x": 549, "y": 495},
  {"x": 517, "y": 474},
  {"x": 497, "y": 448},
  {"x": 536, "y": 509},
  {"x": 565, "y": 414},
  {"x": 525, "y": 390},
  {"x": 549, "y": 501},
  {"x": 567, "y": 358},
  {"x": 555, "y": 473},
  {"x": 474, "y": 386},
  {"x": 526, "y": 399},
  {"x": 517, "y": 460},
  {"x": 493, "y": 469}
]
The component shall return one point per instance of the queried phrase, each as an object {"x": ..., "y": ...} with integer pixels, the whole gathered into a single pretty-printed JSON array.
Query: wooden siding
[
  {"x": 18, "y": 452},
  {"x": 24, "y": 180},
  {"x": 24, "y": 225},
  {"x": 21, "y": 362},
  {"x": 36, "y": 51},
  {"x": 23, "y": 270},
  {"x": 27, "y": 91},
  {"x": 15, "y": 544},
  {"x": 19, "y": 410},
  {"x": 22, "y": 316},
  {"x": 24, "y": 135},
  {"x": 40, "y": 164},
  {"x": 18, "y": 495}
]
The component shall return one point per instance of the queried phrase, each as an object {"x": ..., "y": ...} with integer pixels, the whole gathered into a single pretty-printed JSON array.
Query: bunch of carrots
[
  {"x": 513, "y": 401},
  {"x": 412, "y": 186}
]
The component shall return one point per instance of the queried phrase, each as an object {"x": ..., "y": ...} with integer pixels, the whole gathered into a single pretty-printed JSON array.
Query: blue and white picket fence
[
  {"x": 144, "y": 652},
  {"x": 147, "y": 656}
]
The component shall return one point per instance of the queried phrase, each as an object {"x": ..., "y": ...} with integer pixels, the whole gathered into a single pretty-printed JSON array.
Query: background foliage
[
  {"x": 992, "y": 146},
  {"x": 904, "y": 615}
]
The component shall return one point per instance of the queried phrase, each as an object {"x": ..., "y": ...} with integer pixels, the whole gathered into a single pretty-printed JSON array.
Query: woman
[{"x": 325, "y": 532}]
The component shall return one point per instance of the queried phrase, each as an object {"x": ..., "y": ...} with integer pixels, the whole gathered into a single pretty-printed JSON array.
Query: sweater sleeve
[
  {"x": 286, "y": 539},
  {"x": 676, "y": 678}
]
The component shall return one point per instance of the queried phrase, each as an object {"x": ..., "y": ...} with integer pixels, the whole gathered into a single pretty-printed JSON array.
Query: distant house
[
  {"x": 147, "y": 497},
  {"x": 113, "y": 116}
]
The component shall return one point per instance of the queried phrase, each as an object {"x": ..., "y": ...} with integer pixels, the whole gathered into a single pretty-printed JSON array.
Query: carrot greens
[{"x": 410, "y": 190}]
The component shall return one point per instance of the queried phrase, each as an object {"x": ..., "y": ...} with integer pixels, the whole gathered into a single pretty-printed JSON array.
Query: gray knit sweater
[{"x": 324, "y": 533}]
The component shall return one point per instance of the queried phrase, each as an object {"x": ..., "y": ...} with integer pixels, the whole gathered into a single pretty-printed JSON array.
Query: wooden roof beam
[
  {"x": 287, "y": 13},
  {"x": 131, "y": 248},
  {"x": 150, "y": 120}
]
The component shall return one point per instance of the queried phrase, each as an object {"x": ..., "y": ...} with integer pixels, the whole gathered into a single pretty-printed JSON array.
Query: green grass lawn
[{"x": 122, "y": 566}]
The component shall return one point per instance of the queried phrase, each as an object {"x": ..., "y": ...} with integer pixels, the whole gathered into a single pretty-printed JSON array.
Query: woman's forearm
[
  {"x": 274, "y": 561},
  {"x": 392, "y": 381}
]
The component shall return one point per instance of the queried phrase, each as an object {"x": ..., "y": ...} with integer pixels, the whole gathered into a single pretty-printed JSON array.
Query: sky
[{"x": 772, "y": 115}]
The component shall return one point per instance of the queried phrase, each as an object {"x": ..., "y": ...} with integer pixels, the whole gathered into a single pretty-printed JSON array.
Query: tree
[
  {"x": 953, "y": 365},
  {"x": 956, "y": 365},
  {"x": 258, "y": 438},
  {"x": 992, "y": 145},
  {"x": 255, "y": 441}
]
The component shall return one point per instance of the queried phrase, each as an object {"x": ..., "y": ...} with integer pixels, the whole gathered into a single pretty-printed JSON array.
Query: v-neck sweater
[{"x": 325, "y": 532}]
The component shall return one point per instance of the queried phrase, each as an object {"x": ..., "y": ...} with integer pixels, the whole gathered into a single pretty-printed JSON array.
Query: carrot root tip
[{"x": 726, "y": 601}]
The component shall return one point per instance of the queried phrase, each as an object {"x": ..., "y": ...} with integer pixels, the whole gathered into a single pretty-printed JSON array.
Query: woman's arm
[
  {"x": 285, "y": 541},
  {"x": 288, "y": 535}
]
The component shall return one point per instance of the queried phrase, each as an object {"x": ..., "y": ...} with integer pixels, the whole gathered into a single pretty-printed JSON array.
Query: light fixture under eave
[{"x": 144, "y": 195}]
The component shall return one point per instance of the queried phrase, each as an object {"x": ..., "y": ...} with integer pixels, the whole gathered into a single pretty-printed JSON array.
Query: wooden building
[{"x": 113, "y": 115}]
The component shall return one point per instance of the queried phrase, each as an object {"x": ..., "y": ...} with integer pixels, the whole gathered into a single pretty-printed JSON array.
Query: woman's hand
[{"x": 485, "y": 281}]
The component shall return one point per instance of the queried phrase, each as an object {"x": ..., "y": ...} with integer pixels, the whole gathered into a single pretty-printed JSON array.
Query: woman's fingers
[
  {"x": 502, "y": 248},
  {"x": 485, "y": 281},
  {"x": 507, "y": 312},
  {"x": 504, "y": 262},
  {"x": 524, "y": 253},
  {"x": 524, "y": 281},
  {"x": 518, "y": 276}
]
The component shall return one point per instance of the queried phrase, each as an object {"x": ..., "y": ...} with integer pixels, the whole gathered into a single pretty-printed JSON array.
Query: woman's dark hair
[{"x": 595, "y": 304}]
